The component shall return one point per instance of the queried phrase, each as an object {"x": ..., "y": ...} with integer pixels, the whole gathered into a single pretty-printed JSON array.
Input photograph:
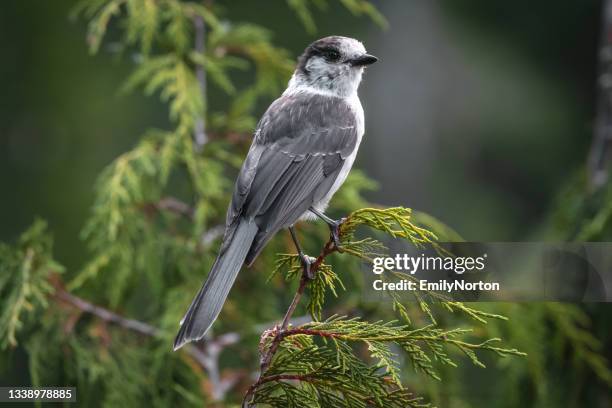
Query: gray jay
[{"x": 303, "y": 149}]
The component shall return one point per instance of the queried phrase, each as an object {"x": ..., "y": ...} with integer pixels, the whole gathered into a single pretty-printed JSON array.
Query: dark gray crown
[{"x": 323, "y": 47}]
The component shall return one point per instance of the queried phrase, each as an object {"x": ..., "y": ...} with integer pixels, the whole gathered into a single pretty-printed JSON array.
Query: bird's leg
[
  {"x": 306, "y": 260},
  {"x": 334, "y": 225}
]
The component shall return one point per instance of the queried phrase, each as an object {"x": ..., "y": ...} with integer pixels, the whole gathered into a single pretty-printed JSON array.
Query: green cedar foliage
[
  {"x": 25, "y": 273},
  {"x": 349, "y": 362}
]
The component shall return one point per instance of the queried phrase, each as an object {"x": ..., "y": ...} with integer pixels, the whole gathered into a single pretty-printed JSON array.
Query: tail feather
[{"x": 207, "y": 304}]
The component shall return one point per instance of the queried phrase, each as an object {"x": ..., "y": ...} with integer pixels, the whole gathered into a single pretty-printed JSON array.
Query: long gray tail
[{"x": 207, "y": 304}]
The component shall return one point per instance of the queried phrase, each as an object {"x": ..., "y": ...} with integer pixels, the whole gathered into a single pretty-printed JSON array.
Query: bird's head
[{"x": 332, "y": 65}]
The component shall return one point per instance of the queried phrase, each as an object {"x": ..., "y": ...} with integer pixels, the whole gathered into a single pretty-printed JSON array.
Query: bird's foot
[
  {"x": 307, "y": 262},
  {"x": 334, "y": 229}
]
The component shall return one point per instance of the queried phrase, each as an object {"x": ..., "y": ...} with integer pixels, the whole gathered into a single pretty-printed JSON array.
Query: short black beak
[{"x": 363, "y": 60}]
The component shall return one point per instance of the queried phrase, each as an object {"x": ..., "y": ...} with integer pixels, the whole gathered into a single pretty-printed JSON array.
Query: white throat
[{"x": 341, "y": 87}]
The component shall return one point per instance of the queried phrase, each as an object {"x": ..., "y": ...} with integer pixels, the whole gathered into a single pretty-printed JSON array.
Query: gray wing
[{"x": 299, "y": 148}]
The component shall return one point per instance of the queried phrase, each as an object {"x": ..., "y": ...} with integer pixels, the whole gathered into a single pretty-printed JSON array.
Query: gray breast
[{"x": 357, "y": 110}]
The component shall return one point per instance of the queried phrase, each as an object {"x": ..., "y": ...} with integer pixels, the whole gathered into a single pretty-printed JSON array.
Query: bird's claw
[
  {"x": 334, "y": 229},
  {"x": 307, "y": 262}
]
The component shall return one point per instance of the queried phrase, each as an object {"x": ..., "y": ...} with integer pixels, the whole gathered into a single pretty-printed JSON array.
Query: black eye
[{"x": 331, "y": 55}]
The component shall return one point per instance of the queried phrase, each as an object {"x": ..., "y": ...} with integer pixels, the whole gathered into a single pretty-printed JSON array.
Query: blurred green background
[{"x": 479, "y": 113}]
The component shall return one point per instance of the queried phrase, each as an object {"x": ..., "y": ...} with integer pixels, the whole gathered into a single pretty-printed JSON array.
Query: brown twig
[
  {"x": 211, "y": 234},
  {"x": 107, "y": 315},
  {"x": 282, "y": 331},
  {"x": 267, "y": 357},
  {"x": 181, "y": 208},
  {"x": 309, "y": 332},
  {"x": 207, "y": 355},
  {"x": 279, "y": 377},
  {"x": 176, "y": 206}
]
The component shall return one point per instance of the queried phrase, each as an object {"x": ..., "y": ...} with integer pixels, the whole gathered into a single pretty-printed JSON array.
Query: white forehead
[{"x": 350, "y": 46}]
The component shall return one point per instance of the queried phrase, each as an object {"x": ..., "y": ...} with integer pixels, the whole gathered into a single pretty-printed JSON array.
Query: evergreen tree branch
[
  {"x": 328, "y": 249},
  {"x": 206, "y": 354},
  {"x": 298, "y": 370},
  {"x": 279, "y": 332},
  {"x": 107, "y": 315},
  {"x": 279, "y": 377},
  {"x": 176, "y": 206}
]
